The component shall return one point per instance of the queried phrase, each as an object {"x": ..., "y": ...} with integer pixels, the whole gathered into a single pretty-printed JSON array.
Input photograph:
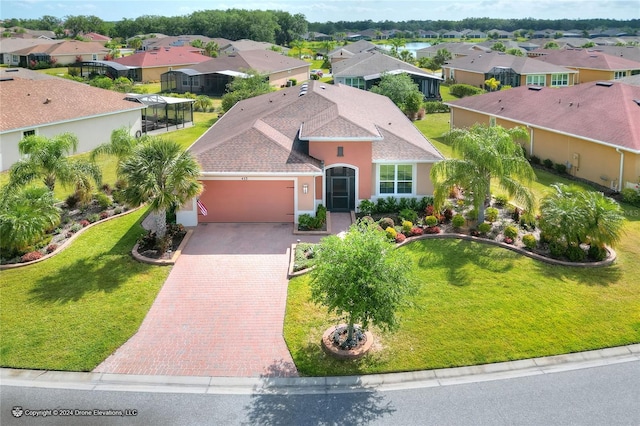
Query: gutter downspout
[
  {"x": 530, "y": 140},
  {"x": 621, "y": 168}
]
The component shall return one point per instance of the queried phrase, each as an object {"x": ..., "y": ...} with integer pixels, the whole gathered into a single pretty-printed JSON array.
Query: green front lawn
[
  {"x": 479, "y": 304},
  {"x": 72, "y": 311}
]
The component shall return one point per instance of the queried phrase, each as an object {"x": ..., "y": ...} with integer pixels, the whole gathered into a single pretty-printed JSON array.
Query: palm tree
[
  {"x": 162, "y": 174},
  {"x": 211, "y": 49},
  {"x": 327, "y": 46},
  {"x": 202, "y": 103},
  {"x": 396, "y": 44},
  {"x": 485, "y": 153},
  {"x": 135, "y": 43},
  {"x": 575, "y": 215},
  {"x": 25, "y": 216},
  {"x": 196, "y": 43},
  {"x": 492, "y": 84},
  {"x": 120, "y": 145},
  {"x": 48, "y": 159},
  {"x": 297, "y": 44},
  {"x": 406, "y": 56}
]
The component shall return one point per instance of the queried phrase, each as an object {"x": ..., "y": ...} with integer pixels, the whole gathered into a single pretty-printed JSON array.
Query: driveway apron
[{"x": 221, "y": 310}]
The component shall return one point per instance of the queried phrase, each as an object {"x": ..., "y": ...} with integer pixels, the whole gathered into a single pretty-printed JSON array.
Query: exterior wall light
[{"x": 305, "y": 188}]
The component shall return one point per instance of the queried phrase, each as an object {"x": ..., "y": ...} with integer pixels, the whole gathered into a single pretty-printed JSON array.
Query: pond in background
[{"x": 412, "y": 47}]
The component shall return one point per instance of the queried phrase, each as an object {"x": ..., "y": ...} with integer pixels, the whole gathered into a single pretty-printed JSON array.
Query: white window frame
[
  {"x": 619, "y": 74},
  {"x": 94, "y": 56},
  {"x": 559, "y": 80},
  {"x": 395, "y": 180},
  {"x": 536, "y": 80}
]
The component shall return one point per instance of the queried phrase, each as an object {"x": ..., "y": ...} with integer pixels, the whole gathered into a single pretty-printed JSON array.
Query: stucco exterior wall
[
  {"x": 594, "y": 75},
  {"x": 466, "y": 77},
  {"x": 153, "y": 74},
  {"x": 279, "y": 79},
  {"x": 424, "y": 186},
  {"x": 91, "y": 132},
  {"x": 357, "y": 154}
]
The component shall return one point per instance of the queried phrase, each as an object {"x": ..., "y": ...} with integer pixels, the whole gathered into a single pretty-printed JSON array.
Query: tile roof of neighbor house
[
  {"x": 96, "y": 37},
  {"x": 33, "y": 99},
  {"x": 628, "y": 52},
  {"x": 164, "y": 56},
  {"x": 270, "y": 133},
  {"x": 586, "y": 58},
  {"x": 456, "y": 49},
  {"x": 245, "y": 44},
  {"x": 633, "y": 80},
  {"x": 66, "y": 47},
  {"x": 374, "y": 63},
  {"x": 10, "y": 45},
  {"x": 608, "y": 112},
  {"x": 263, "y": 61},
  {"x": 485, "y": 62},
  {"x": 354, "y": 48}
]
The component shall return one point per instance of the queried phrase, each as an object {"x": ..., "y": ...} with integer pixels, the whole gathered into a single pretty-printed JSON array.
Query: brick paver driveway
[{"x": 221, "y": 310}]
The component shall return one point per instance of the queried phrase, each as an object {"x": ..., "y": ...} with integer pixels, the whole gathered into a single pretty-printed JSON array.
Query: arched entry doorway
[{"x": 341, "y": 188}]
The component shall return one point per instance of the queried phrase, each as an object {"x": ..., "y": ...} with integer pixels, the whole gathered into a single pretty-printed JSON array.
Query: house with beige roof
[
  {"x": 213, "y": 76},
  {"x": 65, "y": 52},
  {"x": 592, "y": 65},
  {"x": 276, "y": 156},
  {"x": 8, "y": 47},
  {"x": 509, "y": 70},
  {"x": 149, "y": 65},
  {"x": 35, "y": 103},
  {"x": 593, "y": 128}
]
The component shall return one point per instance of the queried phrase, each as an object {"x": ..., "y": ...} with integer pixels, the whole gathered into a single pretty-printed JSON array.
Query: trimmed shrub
[
  {"x": 458, "y": 221},
  {"x": 548, "y": 163},
  {"x": 535, "y": 160},
  {"x": 51, "y": 248},
  {"x": 557, "y": 249},
  {"x": 462, "y": 90},
  {"x": 472, "y": 214},
  {"x": 386, "y": 222},
  {"x": 501, "y": 200},
  {"x": 92, "y": 218},
  {"x": 366, "y": 207},
  {"x": 103, "y": 200},
  {"x": 575, "y": 253},
  {"x": 406, "y": 227},
  {"x": 77, "y": 226},
  {"x": 597, "y": 253},
  {"x": 484, "y": 228},
  {"x": 491, "y": 214},
  {"x": 117, "y": 210},
  {"x": 400, "y": 238},
  {"x": 529, "y": 241},
  {"x": 31, "y": 256},
  {"x": 447, "y": 214},
  {"x": 416, "y": 231},
  {"x": 631, "y": 196},
  {"x": 432, "y": 230},
  {"x": 104, "y": 215},
  {"x": 408, "y": 215},
  {"x": 391, "y": 233},
  {"x": 431, "y": 221},
  {"x": 429, "y": 210},
  {"x": 511, "y": 231},
  {"x": 560, "y": 168},
  {"x": 83, "y": 223},
  {"x": 434, "y": 107},
  {"x": 508, "y": 240}
]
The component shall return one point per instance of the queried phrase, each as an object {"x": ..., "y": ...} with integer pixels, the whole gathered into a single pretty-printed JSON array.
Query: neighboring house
[
  {"x": 501, "y": 34},
  {"x": 8, "y": 47},
  {"x": 243, "y": 45},
  {"x": 276, "y": 156},
  {"x": 180, "y": 41},
  {"x": 151, "y": 64},
  {"x": 508, "y": 70},
  {"x": 211, "y": 77},
  {"x": 428, "y": 34},
  {"x": 590, "y": 64},
  {"x": 36, "y": 103},
  {"x": 592, "y": 128},
  {"x": 474, "y": 34},
  {"x": 316, "y": 36},
  {"x": 350, "y": 50},
  {"x": 452, "y": 34},
  {"x": 456, "y": 49},
  {"x": 65, "y": 52},
  {"x": 365, "y": 69},
  {"x": 628, "y": 52},
  {"x": 102, "y": 39}
]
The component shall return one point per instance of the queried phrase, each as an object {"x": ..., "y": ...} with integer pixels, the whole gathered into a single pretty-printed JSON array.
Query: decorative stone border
[
  {"x": 140, "y": 258},
  {"x": 328, "y": 347},
  {"x": 68, "y": 241}
]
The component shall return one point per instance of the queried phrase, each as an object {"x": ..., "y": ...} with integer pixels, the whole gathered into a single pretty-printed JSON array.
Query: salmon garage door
[{"x": 247, "y": 201}]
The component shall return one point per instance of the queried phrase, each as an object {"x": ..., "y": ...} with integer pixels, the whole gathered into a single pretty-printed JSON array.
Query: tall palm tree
[
  {"x": 299, "y": 45},
  {"x": 25, "y": 215},
  {"x": 47, "y": 158},
  {"x": 396, "y": 44},
  {"x": 485, "y": 153},
  {"x": 202, "y": 103},
  {"x": 120, "y": 145},
  {"x": 162, "y": 174}
]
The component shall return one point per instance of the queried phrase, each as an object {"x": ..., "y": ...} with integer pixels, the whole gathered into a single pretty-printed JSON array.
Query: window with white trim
[
  {"x": 395, "y": 179},
  {"x": 357, "y": 82},
  {"x": 619, "y": 74},
  {"x": 94, "y": 56},
  {"x": 559, "y": 80},
  {"x": 536, "y": 80}
]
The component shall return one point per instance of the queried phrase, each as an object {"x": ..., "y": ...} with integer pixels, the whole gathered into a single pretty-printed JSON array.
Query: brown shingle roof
[
  {"x": 165, "y": 56},
  {"x": 270, "y": 133},
  {"x": 67, "y": 47},
  {"x": 608, "y": 113},
  {"x": 263, "y": 61},
  {"x": 485, "y": 62},
  {"x": 24, "y": 100},
  {"x": 588, "y": 59}
]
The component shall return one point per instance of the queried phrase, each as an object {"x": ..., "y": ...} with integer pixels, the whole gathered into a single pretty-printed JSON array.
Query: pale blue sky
[{"x": 334, "y": 10}]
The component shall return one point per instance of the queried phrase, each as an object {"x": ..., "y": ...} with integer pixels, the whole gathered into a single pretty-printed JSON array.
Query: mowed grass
[
  {"x": 73, "y": 310},
  {"x": 479, "y": 304}
]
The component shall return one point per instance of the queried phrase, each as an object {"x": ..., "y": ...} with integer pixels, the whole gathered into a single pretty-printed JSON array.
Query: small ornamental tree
[{"x": 361, "y": 277}]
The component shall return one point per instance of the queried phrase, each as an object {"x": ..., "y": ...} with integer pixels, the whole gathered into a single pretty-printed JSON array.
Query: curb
[
  {"x": 161, "y": 262},
  {"x": 320, "y": 385}
]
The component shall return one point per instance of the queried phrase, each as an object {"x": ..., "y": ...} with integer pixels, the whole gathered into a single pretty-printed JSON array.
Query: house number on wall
[{"x": 244, "y": 178}]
